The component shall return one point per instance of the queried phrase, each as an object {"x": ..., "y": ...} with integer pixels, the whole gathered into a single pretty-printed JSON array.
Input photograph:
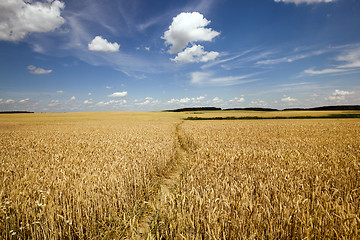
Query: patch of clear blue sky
[{"x": 270, "y": 44}]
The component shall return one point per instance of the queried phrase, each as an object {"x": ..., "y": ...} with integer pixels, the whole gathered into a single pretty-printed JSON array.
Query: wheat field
[
  {"x": 154, "y": 176},
  {"x": 79, "y": 178},
  {"x": 282, "y": 179}
]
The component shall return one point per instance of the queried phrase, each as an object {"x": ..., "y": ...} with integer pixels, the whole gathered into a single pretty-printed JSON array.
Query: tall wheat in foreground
[
  {"x": 147, "y": 175},
  {"x": 283, "y": 179},
  {"x": 80, "y": 180}
]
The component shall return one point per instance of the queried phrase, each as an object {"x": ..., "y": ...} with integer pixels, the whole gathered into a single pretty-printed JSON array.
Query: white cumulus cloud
[
  {"x": 217, "y": 100},
  {"x": 187, "y": 100},
  {"x": 99, "y": 44},
  {"x": 118, "y": 94},
  {"x": 195, "y": 53},
  {"x": 147, "y": 101},
  {"x": 187, "y": 28},
  {"x": 19, "y": 17},
  {"x": 54, "y": 103},
  {"x": 259, "y": 103},
  {"x": 10, "y": 101},
  {"x": 184, "y": 100},
  {"x": 36, "y": 70},
  {"x": 24, "y": 100},
  {"x": 339, "y": 95},
  {"x": 237, "y": 100},
  {"x": 288, "y": 99},
  {"x": 111, "y": 102}
]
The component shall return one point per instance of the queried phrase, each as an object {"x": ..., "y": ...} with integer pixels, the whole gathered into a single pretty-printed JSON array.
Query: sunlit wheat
[
  {"x": 99, "y": 176},
  {"x": 284, "y": 179}
]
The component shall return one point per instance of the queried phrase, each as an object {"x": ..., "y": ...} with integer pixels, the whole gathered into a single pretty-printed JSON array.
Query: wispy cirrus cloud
[
  {"x": 225, "y": 60},
  {"x": 83, "y": 24},
  {"x": 305, "y": 1},
  {"x": 207, "y": 78},
  {"x": 247, "y": 59},
  {"x": 346, "y": 61},
  {"x": 311, "y": 71},
  {"x": 290, "y": 59},
  {"x": 350, "y": 58}
]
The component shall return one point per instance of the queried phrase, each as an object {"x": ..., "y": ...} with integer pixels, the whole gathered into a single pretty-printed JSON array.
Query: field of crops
[
  {"x": 153, "y": 175},
  {"x": 73, "y": 177},
  {"x": 271, "y": 179}
]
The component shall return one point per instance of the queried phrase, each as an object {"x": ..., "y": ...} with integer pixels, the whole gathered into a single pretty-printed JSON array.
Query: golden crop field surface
[
  {"x": 283, "y": 179},
  {"x": 80, "y": 180},
  {"x": 101, "y": 176}
]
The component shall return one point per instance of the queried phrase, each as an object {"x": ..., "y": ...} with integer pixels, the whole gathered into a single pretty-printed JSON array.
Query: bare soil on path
[{"x": 167, "y": 184}]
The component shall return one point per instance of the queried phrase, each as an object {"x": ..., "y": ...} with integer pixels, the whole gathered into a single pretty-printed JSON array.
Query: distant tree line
[
  {"x": 10, "y": 112},
  {"x": 195, "y": 109},
  {"x": 323, "y": 108},
  {"x": 331, "y": 116},
  {"x": 252, "y": 109},
  {"x": 326, "y": 108}
]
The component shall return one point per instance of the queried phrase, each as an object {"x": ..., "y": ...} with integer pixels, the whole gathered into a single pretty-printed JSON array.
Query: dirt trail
[
  {"x": 173, "y": 176},
  {"x": 167, "y": 183}
]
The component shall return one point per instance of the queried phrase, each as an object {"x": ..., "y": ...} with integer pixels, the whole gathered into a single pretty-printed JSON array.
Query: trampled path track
[{"x": 167, "y": 184}]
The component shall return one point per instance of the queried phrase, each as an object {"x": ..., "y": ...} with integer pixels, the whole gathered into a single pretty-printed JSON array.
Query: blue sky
[{"x": 90, "y": 55}]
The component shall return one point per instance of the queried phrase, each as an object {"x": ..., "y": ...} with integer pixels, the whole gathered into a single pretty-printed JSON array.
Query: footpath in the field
[{"x": 167, "y": 185}]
